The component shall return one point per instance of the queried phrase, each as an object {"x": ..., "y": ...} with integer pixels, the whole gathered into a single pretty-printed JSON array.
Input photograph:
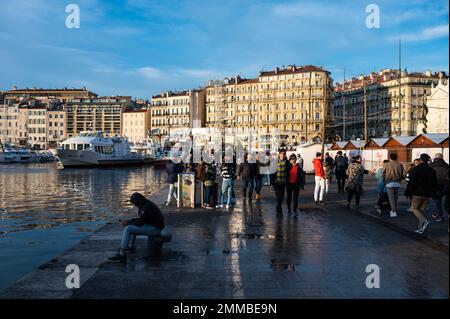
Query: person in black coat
[
  {"x": 421, "y": 187},
  {"x": 279, "y": 180},
  {"x": 172, "y": 169},
  {"x": 294, "y": 184},
  {"x": 150, "y": 221}
]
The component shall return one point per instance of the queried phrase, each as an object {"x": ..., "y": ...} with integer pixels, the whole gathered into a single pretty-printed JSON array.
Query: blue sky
[{"x": 140, "y": 48}]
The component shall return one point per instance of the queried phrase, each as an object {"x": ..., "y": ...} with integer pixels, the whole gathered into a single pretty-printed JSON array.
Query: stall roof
[
  {"x": 358, "y": 143},
  {"x": 380, "y": 141},
  {"x": 404, "y": 140},
  {"x": 436, "y": 138}
]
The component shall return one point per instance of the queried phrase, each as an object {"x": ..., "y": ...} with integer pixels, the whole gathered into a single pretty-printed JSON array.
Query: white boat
[
  {"x": 22, "y": 155},
  {"x": 96, "y": 149}
]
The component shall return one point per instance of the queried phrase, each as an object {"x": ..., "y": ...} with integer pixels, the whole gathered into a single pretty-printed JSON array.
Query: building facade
[
  {"x": 290, "y": 100},
  {"x": 97, "y": 114},
  {"x": 63, "y": 95},
  {"x": 437, "y": 108},
  {"x": 37, "y": 125},
  {"x": 56, "y": 126},
  {"x": 136, "y": 125},
  {"x": 380, "y": 91},
  {"x": 172, "y": 111}
]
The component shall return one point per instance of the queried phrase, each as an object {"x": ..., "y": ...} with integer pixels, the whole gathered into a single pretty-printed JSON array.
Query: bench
[{"x": 155, "y": 242}]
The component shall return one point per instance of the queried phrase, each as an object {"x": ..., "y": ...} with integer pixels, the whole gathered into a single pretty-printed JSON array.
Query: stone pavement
[{"x": 246, "y": 252}]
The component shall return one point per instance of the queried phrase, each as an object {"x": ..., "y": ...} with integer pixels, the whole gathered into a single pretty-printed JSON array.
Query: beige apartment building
[
  {"x": 56, "y": 127},
  {"x": 37, "y": 117},
  {"x": 288, "y": 100},
  {"x": 382, "y": 102},
  {"x": 13, "y": 125},
  {"x": 171, "y": 111},
  {"x": 97, "y": 114},
  {"x": 136, "y": 125}
]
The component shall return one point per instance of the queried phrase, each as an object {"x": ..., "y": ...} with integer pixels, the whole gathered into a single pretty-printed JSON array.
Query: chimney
[
  {"x": 277, "y": 70},
  {"x": 428, "y": 73},
  {"x": 14, "y": 87}
]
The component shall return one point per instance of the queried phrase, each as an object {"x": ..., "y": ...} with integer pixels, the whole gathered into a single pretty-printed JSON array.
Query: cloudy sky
[{"x": 140, "y": 48}]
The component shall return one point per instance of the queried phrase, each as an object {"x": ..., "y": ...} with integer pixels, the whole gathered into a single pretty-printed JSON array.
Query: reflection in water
[
  {"x": 44, "y": 211},
  {"x": 40, "y": 196}
]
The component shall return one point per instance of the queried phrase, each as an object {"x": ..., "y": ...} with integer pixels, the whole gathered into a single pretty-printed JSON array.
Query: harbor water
[{"x": 45, "y": 210}]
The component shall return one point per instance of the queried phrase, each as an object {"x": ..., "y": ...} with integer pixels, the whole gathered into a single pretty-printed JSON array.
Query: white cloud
[{"x": 424, "y": 35}]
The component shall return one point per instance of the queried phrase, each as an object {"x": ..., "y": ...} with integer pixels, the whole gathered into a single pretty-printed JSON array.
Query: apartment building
[
  {"x": 381, "y": 90},
  {"x": 136, "y": 125},
  {"x": 171, "y": 111},
  {"x": 290, "y": 100}
]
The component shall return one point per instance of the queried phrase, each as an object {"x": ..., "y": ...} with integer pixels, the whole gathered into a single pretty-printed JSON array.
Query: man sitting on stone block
[{"x": 150, "y": 222}]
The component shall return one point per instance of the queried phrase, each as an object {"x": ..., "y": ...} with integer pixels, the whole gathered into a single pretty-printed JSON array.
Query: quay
[{"x": 246, "y": 252}]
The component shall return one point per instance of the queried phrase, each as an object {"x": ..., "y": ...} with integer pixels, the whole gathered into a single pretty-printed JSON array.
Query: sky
[{"x": 142, "y": 48}]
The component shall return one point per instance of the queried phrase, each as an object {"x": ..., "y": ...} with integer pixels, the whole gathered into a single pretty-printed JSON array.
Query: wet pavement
[{"x": 246, "y": 252}]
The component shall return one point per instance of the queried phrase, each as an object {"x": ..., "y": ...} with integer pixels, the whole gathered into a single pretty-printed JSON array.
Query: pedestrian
[
  {"x": 408, "y": 172},
  {"x": 258, "y": 178},
  {"x": 295, "y": 183},
  {"x": 172, "y": 169},
  {"x": 248, "y": 171},
  {"x": 319, "y": 179},
  {"x": 279, "y": 180},
  {"x": 441, "y": 169},
  {"x": 328, "y": 170},
  {"x": 209, "y": 173},
  {"x": 421, "y": 187},
  {"x": 354, "y": 183},
  {"x": 383, "y": 199},
  {"x": 393, "y": 174},
  {"x": 300, "y": 160},
  {"x": 150, "y": 222},
  {"x": 228, "y": 174},
  {"x": 341, "y": 165}
]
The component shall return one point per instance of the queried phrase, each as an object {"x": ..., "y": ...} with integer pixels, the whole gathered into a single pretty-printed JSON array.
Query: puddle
[
  {"x": 247, "y": 236},
  {"x": 282, "y": 265}
]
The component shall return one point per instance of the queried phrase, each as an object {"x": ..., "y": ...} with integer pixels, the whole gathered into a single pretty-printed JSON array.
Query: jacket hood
[{"x": 138, "y": 199}]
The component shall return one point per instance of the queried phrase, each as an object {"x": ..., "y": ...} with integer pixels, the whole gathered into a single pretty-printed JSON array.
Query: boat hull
[{"x": 74, "y": 158}]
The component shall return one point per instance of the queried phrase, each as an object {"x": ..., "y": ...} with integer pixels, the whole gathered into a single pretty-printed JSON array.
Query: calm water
[{"x": 44, "y": 211}]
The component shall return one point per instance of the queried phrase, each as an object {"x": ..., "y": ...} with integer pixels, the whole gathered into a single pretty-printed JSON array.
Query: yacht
[
  {"x": 96, "y": 149},
  {"x": 12, "y": 155}
]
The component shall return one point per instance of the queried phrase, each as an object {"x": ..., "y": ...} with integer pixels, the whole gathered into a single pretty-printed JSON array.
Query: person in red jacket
[{"x": 319, "y": 179}]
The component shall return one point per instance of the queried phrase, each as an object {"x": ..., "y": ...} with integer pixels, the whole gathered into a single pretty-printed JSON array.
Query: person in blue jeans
[
  {"x": 150, "y": 222},
  {"x": 228, "y": 173}
]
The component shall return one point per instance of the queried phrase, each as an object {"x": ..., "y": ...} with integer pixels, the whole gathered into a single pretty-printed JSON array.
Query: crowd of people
[{"x": 425, "y": 180}]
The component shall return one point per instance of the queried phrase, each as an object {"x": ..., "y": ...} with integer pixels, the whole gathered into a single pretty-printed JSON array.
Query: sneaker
[
  {"x": 295, "y": 215},
  {"x": 208, "y": 207},
  {"x": 379, "y": 211},
  {"x": 289, "y": 212},
  {"x": 425, "y": 225},
  {"x": 436, "y": 216},
  {"x": 392, "y": 214},
  {"x": 117, "y": 258},
  {"x": 439, "y": 219},
  {"x": 227, "y": 206},
  {"x": 317, "y": 202},
  {"x": 322, "y": 202},
  {"x": 167, "y": 204},
  {"x": 219, "y": 206},
  {"x": 419, "y": 230},
  {"x": 258, "y": 197},
  {"x": 131, "y": 250}
]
